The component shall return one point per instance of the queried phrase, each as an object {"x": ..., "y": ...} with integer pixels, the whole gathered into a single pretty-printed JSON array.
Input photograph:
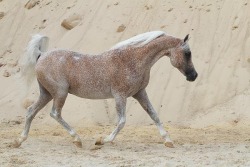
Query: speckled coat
[{"x": 125, "y": 70}]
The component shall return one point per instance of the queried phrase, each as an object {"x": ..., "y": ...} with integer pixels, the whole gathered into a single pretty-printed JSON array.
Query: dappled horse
[{"x": 118, "y": 73}]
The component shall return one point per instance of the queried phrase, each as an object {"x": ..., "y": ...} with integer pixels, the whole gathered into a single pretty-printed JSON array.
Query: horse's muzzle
[{"x": 192, "y": 76}]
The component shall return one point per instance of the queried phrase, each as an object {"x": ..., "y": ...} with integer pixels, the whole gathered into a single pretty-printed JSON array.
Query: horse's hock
[{"x": 71, "y": 21}]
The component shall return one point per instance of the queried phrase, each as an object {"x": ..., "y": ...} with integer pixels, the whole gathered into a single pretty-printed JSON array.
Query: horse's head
[{"x": 181, "y": 58}]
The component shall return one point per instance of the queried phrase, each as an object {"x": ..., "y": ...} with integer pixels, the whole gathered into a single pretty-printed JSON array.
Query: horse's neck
[{"x": 159, "y": 48}]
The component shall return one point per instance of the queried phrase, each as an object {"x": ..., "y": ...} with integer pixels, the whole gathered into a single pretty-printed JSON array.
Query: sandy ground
[{"x": 134, "y": 146}]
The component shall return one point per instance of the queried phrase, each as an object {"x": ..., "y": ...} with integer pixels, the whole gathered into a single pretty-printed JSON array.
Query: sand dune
[
  {"x": 219, "y": 41},
  {"x": 220, "y": 44}
]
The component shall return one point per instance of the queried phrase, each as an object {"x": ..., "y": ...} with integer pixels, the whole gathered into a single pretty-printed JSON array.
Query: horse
[{"x": 120, "y": 72}]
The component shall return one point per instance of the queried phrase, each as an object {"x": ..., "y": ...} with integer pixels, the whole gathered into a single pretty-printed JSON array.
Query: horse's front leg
[
  {"x": 120, "y": 107},
  {"x": 142, "y": 98}
]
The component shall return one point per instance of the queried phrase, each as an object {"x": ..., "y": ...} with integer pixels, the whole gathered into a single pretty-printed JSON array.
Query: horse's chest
[
  {"x": 131, "y": 84},
  {"x": 135, "y": 80},
  {"x": 139, "y": 77}
]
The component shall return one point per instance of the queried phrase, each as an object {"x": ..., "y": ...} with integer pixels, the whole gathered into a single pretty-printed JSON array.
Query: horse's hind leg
[
  {"x": 142, "y": 98},
  {"x": 56, "y": 114},
  {"x": 43, "y": 99},
  {"x": 120, "y": 107}
]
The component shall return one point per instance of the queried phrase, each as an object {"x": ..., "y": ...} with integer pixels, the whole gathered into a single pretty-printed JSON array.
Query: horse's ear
[{"x": 186, "y": 38}]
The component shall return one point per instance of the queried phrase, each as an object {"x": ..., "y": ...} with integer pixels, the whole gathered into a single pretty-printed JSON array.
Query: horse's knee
[
  {"x": 122, "y": 122},
  {"x": 30, "y": 114},
  {"x": 54, "y": 114}
]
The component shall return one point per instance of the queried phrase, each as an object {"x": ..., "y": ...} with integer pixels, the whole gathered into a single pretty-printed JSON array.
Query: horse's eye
[{"x": 188, "y": 55}]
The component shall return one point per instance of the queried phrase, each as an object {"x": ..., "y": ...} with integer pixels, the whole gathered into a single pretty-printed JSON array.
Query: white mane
[{"x": 139, "y": 40}]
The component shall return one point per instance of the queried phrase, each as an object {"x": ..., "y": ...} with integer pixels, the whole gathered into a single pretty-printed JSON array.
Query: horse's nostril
[
  {"x": 196, "y": 75},
  {"x": 191, "y": 76}
]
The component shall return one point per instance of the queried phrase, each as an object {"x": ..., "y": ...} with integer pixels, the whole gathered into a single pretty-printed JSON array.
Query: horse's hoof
[
  {"x": 99, "y": 141},
  {"x": 16, "y": 144},
  {"x": 78, "y": 144},
  {"x": 169, "y": 144}
]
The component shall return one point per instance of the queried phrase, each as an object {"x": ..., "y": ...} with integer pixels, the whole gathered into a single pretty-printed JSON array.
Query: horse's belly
[{"x": 91, "y": 93}]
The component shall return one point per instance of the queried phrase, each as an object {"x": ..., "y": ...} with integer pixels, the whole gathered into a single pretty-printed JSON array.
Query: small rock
[
  {"x": 1, "y": 15},
  {"x": 185, "y": 21},
  {"x": 31, "y": 3},
  {"x": 234, "y": 27},
  {"x": 16, "y": 122},
  {"x": 169, "y": 10},
  {"x": 56, "y": 134},
  {"x": 121, "y": 28},
  {"x": 71, "y": 22},
  {"x": 163, "y": 26},
  {"x": 95, "y": 147},
  {"x": 148, "y": 7},
  {"x": 42, "y": 27},
  {"x": 18, "y": 69},
  {"x": 6, "y": 74},
  {"x": 236, "y": 121},
  {"x": 117, "y": 3},
  {"x": 1, "y": 64},
  {"x": 48, "y": 3}
]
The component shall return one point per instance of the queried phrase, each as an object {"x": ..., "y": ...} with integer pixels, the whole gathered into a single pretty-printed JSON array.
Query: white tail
[{"x": 37, "y": 45}]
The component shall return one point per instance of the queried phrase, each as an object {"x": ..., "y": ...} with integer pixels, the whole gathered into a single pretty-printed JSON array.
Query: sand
[
  {"x": 208, "y": 119},
  {"x": 135, "y": 146}
]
